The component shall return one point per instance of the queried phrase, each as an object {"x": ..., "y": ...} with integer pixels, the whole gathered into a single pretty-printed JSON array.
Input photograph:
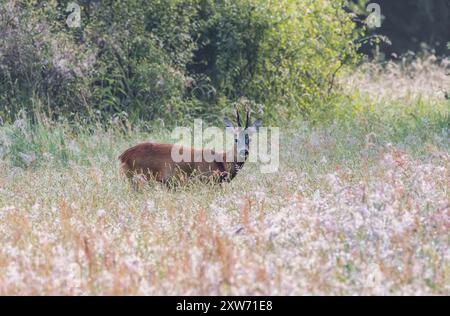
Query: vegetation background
[
  {"x": 360, "y": 204},
  {"x": 172, "y": 60}
]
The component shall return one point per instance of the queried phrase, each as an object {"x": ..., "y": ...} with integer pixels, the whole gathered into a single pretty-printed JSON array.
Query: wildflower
[{"x": 101, "y": 213}]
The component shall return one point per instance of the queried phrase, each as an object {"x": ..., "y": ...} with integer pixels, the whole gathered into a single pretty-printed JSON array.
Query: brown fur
[{"x": 154, "y": 161}]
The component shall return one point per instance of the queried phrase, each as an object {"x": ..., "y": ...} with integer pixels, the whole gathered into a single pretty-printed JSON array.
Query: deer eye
[{"x": 236, "y": 140}]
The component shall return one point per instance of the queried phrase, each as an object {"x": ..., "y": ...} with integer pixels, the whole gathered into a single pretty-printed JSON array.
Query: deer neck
[{"x": 232, "y": 168}]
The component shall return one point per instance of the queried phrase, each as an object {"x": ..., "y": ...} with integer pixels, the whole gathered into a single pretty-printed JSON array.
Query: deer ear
[
  {"x": 228, "y": 123},
  {"x": 257, "y": 124}
]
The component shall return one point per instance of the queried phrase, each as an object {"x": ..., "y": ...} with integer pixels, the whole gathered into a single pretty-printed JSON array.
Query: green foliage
[
  {"x": 28, "y": 145},
  {"x": 173, "y": 60},
  {"x": 306, "y": 45}
]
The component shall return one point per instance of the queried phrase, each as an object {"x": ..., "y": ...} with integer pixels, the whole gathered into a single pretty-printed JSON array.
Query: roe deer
[{"x": 149, "y": 160}]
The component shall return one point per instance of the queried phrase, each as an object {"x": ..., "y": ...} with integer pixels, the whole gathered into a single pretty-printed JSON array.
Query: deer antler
[
  {"x": 247, "y": 119},
  {"x": 238, "y": 118}
]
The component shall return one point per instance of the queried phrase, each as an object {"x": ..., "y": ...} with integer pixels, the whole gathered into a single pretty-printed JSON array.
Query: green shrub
[
  {"x": 305, "y": 46},
  {"x": 172, "y": 60}
]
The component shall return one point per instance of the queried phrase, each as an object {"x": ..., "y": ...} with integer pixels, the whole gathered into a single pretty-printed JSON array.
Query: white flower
[
  {"x": 150, "y": 205},
  {"x": 334, "y": 182},
  {"x": 7, "y": 209}
]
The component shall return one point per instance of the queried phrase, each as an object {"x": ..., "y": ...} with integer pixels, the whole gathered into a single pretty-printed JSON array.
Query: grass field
[{"x": 360, "y": 205}]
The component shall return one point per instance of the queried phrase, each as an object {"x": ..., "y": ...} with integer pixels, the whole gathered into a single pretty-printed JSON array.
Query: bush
[
  {"x": 173, "y": 60},
  {"x": 305, "y": 46},
  {"x": 411, "y": 25}
]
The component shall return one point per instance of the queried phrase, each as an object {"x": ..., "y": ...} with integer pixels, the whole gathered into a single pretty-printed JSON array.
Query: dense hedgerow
[
  {"x": 358, "y": 207},
  {"x": 172, "y": 60}
]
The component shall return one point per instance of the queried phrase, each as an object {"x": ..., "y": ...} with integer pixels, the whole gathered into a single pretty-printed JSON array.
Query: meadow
[{"x": 360, "y": 205}]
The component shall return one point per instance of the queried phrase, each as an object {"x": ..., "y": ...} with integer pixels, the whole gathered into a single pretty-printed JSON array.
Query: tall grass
[{"x": 359, "y": 206}]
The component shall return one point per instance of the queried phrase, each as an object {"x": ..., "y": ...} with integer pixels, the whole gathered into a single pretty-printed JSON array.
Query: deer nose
[{"x": 243, "y": 152}]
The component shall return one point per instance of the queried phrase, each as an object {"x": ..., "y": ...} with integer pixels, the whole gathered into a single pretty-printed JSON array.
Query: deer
[{"x": 150, "y": 160}]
